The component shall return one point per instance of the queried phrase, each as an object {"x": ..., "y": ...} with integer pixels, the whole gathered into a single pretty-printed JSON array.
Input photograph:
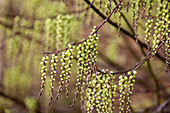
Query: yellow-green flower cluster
[
  {"x": 166, "y": 32},
  {"x": 80, "y": 70},
  {"x": 67, "y": 30},
  {"x": 67, "y": 58},
  {"x": 44, "y": 73},
  {"x": 162, "y": 25},
  {"x": 87, "y": 57},
  {"x": 37, "y": 28},
  {"x": 136, "y": 4},
  {"x": 131, "y": 80},
  {"x": 69, "y": 65},
  {"x": 120, "y": 15},
  {"x": 167, "y": 53},
  {"x": 93, "y": 41},
  {"x": 144, "y": 7},
  {"x": 126, "y": 82},
  {"x": 149, "y": 7},
  {"x": 122, "y": 89},
  {"x": 57, "y": 31},
  {"x": 101, "y": 92},
  {"x": 108, "y": 7},
  {"x": 50, "y": 32},
  {"x": 24, "y": 25},
  {"x": 134, "y": 12},
  {"x": 148, "y": 31},
  {"x": 54, "y": 61}
]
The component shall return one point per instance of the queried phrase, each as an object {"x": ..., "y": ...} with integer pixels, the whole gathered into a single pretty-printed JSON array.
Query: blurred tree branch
[{"x": 17, "y": 101}]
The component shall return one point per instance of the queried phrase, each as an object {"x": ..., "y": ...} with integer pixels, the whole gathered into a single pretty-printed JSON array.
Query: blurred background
[{"x": 28, "y": 28}]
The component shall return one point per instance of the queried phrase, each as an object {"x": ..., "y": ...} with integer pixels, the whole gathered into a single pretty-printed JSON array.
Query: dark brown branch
[{"x": 147, "y": 57}]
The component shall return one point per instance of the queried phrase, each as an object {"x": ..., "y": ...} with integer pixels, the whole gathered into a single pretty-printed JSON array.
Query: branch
[
  {"x": 121, "y": 29},
  {"x": 147, "y": 57},
  {"x": 162, "y": 106}
]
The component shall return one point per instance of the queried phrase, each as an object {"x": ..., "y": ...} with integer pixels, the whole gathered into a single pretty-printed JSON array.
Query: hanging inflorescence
[
  {"x": 44, "y": 73},
  {"x": 57, "y": 31},
  {"x": 126, "y": 82},
  {"x": 161, "y": 29},
  {"x": 54, "y": 61},
  {"x": 136, "y": 5},
  {"x": 67, "y": 58},
  {"x": 120, "y": 15},
  {"x": 98, "y": 89},
  {"x": 87, "y": 57},
  {"x": 131, "y": 80},
  {"x": 101, "y": 92},
  {"x": 86, "y": 61},
  {"x": 108, "y": 7}
]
